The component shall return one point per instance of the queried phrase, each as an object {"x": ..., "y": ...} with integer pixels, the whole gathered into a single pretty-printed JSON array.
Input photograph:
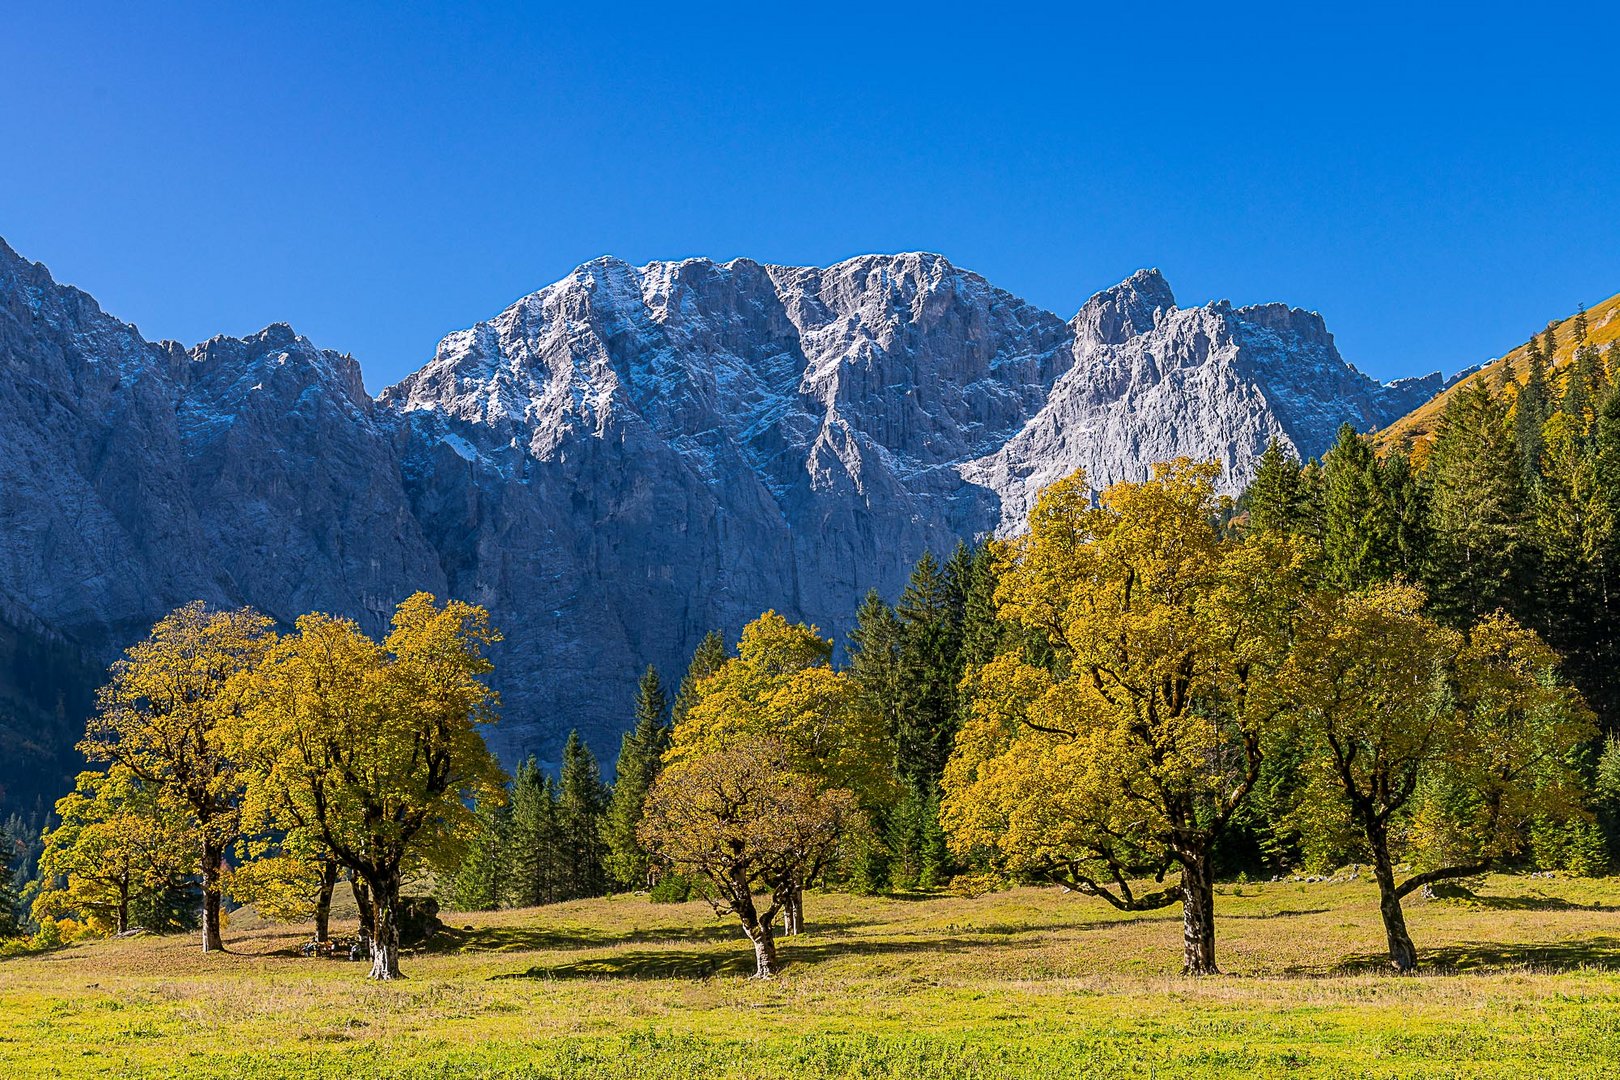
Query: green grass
[{"x": 1523, "y": 981}]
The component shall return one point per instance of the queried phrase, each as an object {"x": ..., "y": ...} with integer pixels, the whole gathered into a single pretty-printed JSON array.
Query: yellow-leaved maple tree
[
  {"x": 161, "y": 714},
  {"x": 1444, "y": 747},
  {"x": 114, "y": 853},
  {"x": 740, "y": 818},
  {"x": 1127, "y": 754},
  {"x": 373, "y": 748},
  {"x": 781, "y": 687}
]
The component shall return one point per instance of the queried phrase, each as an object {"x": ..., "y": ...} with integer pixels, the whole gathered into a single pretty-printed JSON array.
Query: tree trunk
[
  {"x": 212, "y": 895},
  {"x": 764, "y": 939},
  {"x": 123, "y": 909},
  {"x": 323, "y": 903},
  {"x": 1198, "y": 914},
  {"x": 759, "y": 930},
  {"x": 385, "y": 943},
  {"x": 362, "y": 900},
  {"x": 1401, "y": 953},
  {"x": 793, "y": 912}
]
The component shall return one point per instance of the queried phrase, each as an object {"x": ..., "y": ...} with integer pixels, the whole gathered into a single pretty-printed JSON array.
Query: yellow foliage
[
  {"x": 1443, "y": 746},
  {"x": 1139, "y": 741},
  {"x": 781, "y": 686},
  {"x": 374, "y": 748},
  {"x": 115, "y": 846}
]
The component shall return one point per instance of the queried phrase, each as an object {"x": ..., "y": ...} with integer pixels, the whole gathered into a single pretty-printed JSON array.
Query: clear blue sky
[{"x": 1437, "y": 187}]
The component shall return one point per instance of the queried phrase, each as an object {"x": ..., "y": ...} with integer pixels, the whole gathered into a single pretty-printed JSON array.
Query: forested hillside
[{"x": 1602, "y": 326}]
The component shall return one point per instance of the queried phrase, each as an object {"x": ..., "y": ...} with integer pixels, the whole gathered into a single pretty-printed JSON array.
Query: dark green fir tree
[
  {"x": 707, "y": 658},
  {"x": 1477, "y": 510},
  {"x": 1275, "y": 501},
  {"x": 480, "y": 882},
  {"x": 930, "y": 643},
  {"x": 535, "y": 867},
  {"x": 1530, "y": 410},
  {"x": 1359, "y": 539},
  {"x": 641, "y": 754},
  {"x": 581, "y": 801}
]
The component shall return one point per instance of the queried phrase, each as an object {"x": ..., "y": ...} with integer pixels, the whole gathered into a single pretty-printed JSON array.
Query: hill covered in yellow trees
[{"x": 1417, "y": 427}]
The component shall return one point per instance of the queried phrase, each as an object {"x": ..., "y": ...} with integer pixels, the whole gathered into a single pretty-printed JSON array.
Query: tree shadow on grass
[
  {"x": 1486, "y": 957},
  {"x": 1531, "y": 903},
  {"x": 579, "y": 938},
  {"x": 700, "y": 964}
]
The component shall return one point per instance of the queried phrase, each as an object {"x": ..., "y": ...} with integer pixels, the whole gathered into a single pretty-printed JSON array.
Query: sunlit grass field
[{"x": 1523, "y": 980}]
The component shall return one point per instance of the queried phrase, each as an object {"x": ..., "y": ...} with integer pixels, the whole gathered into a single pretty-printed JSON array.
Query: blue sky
[{"x": 1437, "y": 187}]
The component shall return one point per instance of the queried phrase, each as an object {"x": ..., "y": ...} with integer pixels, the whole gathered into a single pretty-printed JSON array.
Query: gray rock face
[{"x": 617, "y": 463}]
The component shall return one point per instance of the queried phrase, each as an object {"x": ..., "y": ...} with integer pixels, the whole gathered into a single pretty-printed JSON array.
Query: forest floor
[{"x": 1521, "y": 980}]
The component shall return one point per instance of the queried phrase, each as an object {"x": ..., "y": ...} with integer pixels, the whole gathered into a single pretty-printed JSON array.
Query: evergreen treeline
[
  {"x": 545, "y": 843},
  {"x": 1513, "y": 504}
]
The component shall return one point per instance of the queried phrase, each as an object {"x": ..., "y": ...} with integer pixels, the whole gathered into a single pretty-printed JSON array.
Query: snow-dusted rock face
[
  {"x": 1152, "y": 381},
  {"x": 617, "y": 463}
]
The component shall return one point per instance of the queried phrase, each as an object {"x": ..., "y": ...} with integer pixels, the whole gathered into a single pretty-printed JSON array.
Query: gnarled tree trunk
[
  {"x": 1198, "y": 913},
  {"x": 213, "y": 894},
  {"x": 323, "y": 902},
  {"x": 757, "y": 926},
  {"x": 385, "y": 942},
  {"x": 1402, "y": 955},
  {"x": 765, "y": 963}
]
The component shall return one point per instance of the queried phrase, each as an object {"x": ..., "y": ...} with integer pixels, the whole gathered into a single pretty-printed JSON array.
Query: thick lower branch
[
  {"x": 1126, "y": 902},
  {"x": 1413, "y": 884}
]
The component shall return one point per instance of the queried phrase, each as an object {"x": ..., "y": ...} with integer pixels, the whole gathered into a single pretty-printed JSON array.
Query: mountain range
[{"x": 613, "y": 465}]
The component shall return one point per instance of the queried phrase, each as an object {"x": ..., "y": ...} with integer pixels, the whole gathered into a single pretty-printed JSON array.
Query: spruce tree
[
  {"x": 1580, "y": 326},
  {"x": 1530, "y": 409},
  {"x": 1477, "y": 509},
  {"x": 1313, "y": 510},
  {"x": 1594, "y": 658},
  {"x": 874, "y": 658},
  {"x": 959, "y": 576},
  {"x": 929, "y": 671},
  {"x": 982, "y": 633},
  {"x": 480, "y": 883},
  {"x": 707, "y": 658},
  {"x": 581, "y": 800},
  {"x": 918, "y": 856},
  {"x": 1359, "y": 541},
  {"x": 1612, "y": 364},
  {"x": 1409, "y": 504},
  {"x": 641, "y": 755},
  {"x": 1601, "y": 385},
  {"x": 535, "y": 869},
  {"x": 1276, "y": 501},
  {"x": 1578, "y": 386},
  {"x": 9, "y": 922}
]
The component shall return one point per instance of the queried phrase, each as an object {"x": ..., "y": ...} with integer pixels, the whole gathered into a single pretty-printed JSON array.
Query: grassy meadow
[{"x": 1522, "y": 980}]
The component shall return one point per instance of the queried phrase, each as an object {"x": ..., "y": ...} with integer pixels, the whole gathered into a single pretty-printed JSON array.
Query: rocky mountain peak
[{"x": 1117, "y": 314}]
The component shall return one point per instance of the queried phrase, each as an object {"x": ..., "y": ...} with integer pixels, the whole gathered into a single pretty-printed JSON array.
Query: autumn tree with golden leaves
[
  {"x": 161, "y": 716},
  {"x": 1129, "y": 753},
  {"x": 1443, "y": 747},
  {"x": 373, "y": 748}
]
